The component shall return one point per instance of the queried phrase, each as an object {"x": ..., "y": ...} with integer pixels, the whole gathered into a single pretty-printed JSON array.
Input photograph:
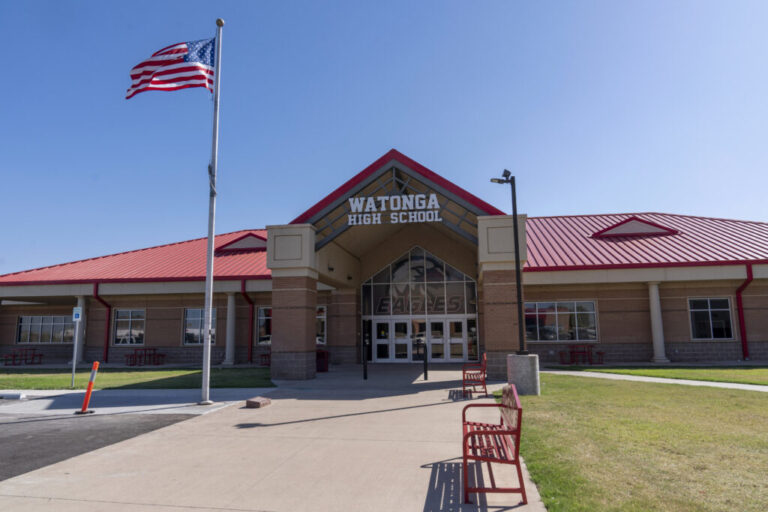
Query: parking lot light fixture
[{"x": 506, "y": 177}]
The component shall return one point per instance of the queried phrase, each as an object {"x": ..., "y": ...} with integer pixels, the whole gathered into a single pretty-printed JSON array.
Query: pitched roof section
[
  {"x": 248, "y": 242},
  {"x": 182, "y": 261},
  {"x": 567, "y": 243},
  {"x": 395, "y": 155},
  {"x": 634, "y": 226}
]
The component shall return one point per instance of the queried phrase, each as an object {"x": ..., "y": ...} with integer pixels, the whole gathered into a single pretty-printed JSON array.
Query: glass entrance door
[
  {"x": 393, "y": 341},
  {"x": 382, "y": 350},
  {"x": 437, "y": 340},
  {"x": 457, "y": 338},
  {"x": 401, "y": 340}
]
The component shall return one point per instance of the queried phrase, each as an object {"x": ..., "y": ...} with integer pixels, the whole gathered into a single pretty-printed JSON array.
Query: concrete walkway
[
  {"x": 682, "y": 382},
  {"x": 336, "y": 443}
]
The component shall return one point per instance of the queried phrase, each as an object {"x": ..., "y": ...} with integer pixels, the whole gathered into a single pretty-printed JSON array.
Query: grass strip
[
  {"x": 119, "y": 378},
  {"x": 739, "y": 375}
]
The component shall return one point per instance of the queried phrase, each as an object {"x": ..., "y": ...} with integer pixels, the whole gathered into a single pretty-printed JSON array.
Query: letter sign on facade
[{"x": 401, "y": 209}]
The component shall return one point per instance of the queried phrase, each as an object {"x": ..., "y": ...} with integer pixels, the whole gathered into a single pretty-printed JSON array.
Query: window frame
[
  {"x": 709, "y": 310},
  {"x": 201, "y": 328},
  {"x": 259, "y": 341},
  {"x": 556, "y": 302},
  {"x": 130, "y": 327},
  {"x": 324, "y": 318},
  {"x": 52, "y": 324}
]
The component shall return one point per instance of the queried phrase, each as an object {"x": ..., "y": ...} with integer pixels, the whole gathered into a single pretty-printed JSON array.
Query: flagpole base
[{"x": 205, "y": 402}]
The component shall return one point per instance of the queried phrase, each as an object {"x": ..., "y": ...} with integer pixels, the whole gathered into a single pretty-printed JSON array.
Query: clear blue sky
[{"x": 595, "y": 106}]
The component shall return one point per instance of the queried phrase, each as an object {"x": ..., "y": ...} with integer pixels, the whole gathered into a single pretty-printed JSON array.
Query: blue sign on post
[{"x": 77, "y": 314}]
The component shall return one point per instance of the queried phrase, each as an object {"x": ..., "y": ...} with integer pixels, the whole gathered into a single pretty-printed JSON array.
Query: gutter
[
  {"x": 250, "y": 320},
  {"x": 107, "y": 321},
  {"x": 740, "y": 312}
]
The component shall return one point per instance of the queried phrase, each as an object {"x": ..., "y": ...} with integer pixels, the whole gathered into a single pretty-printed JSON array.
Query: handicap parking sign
[{"x": 77, "y": 313}]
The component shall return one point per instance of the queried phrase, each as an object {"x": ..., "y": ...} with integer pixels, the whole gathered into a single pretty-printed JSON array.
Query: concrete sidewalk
[
  {"x": 661, "y": 380},
  {"x": 336, "y": 443}
]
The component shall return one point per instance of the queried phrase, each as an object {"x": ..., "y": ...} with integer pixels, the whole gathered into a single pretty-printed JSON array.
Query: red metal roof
[
  {"x": 394, "y": 154},
  {"x": 554, "y": 243},
  {"x": 566, "y": 243},
  {"x": 182, "y": 261}
]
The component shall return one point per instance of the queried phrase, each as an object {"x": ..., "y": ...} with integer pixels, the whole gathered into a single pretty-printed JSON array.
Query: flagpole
[{"x": 205, "y": 399}]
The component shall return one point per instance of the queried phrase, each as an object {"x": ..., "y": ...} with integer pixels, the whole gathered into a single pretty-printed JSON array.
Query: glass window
[
  {"x": 45, "y": 329},
  {"x": 434, "y": 268},
  {"x": 435, "y": 298},
  {"x": 320, "y": 326},
  {"x": 194, "y": 326},
  {"x": 381, "y": 299},
  {"x": 560, "y": 321},
  {"x": 129, "y": 327},
  {"x": 399, "y": 289},
  {"x": 401, "y": 299},
  {"x": 265, "y": 325},
  {"x": 710, "y": 318}
]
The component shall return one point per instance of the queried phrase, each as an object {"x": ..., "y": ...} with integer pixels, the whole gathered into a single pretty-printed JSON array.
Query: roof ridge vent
[{"x": 634, "y": 227}]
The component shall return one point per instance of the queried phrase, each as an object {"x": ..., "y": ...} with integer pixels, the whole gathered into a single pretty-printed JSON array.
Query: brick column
[
  {"x": 498, "y": 288},
  {"x": 294, "y": 304},
  {"x": 343, "y": 325},
  {"x": 500, "y": 319}
]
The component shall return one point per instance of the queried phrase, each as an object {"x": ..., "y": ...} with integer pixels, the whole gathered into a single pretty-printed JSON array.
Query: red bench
[
  {"x": 494, "y": 443},
  {"x": 19, "y": 356},
  {"x": 144, "y": 356},
  {"x": 473, "y": 377}
]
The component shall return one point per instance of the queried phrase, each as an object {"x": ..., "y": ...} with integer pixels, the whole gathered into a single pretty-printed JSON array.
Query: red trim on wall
[
  {"x": 740, "y": 312},
  {"x": 107, "y": 321},
  {"x": 250, "y": 320},
  {"x": 394, "y": 154}
]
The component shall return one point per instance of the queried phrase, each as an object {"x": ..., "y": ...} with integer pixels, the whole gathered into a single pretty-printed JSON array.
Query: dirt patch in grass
[{"x": 594, "y": 445}]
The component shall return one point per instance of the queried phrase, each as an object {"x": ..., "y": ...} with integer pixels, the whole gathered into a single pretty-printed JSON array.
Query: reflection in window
[
  {"x": 265, "y": 325},
  {"x": 560, "y": 321},
  {"x": 419, "y": 283},
  {"x": 194, "y": 326},
  {"x": 710, "y": 319}
]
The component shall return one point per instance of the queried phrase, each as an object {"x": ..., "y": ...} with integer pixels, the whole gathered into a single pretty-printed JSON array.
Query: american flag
[{"x": 175, "y": 67}]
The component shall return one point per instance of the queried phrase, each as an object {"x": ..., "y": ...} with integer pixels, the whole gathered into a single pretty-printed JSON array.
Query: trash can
[{"x": 322, "y": 360}]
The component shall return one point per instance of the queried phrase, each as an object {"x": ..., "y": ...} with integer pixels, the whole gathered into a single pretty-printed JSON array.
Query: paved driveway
[{"x": 336, "y": 443}]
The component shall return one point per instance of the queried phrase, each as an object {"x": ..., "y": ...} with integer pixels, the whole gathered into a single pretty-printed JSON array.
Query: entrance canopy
[{"x": 389, "y": 194}]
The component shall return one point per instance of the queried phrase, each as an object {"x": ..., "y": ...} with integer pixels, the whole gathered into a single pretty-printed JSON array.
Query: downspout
[
  {"x": 740, "y": 312},
  {"x": 107, "y": 321},
  {"x": 250, "y": 320}
]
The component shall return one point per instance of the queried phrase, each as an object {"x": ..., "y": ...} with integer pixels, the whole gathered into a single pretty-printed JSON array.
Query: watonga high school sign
[{"x": 400, "y": 209}]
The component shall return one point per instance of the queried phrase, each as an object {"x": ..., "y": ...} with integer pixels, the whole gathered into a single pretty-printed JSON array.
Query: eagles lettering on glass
[{"x": 400, "y": 209}]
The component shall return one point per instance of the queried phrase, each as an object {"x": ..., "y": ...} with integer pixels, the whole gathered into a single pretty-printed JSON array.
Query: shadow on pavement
[{"x": 444, "y": 493}]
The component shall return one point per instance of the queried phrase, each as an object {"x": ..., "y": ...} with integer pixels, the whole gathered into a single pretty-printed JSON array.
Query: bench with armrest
[
  {"x": 494, "y": 443},
  {"x": 473, "y": 377}
]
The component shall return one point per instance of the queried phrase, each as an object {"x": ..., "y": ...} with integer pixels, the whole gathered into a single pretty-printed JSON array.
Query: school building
[{"x": 398, "y": 261}]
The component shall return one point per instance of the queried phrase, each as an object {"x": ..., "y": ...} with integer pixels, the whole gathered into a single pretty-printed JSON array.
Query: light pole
[{"x": 508, "y": 178}]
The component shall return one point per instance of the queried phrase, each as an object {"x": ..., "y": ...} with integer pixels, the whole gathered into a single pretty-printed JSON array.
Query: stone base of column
[
  {"x": 659, "y": 360},
  {"x": 294, "y": 365},
  {"x": 497, "y": 365},
  {"x": 227, "y": 363},
  {"x": 523, "y": 372}
]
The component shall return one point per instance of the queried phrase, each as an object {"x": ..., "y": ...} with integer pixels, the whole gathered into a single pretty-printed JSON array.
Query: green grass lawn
[
  {"x": 742, "y": 375},
  {"x": 118, "y": 378},
  {"x": 599, "y": 445}
]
